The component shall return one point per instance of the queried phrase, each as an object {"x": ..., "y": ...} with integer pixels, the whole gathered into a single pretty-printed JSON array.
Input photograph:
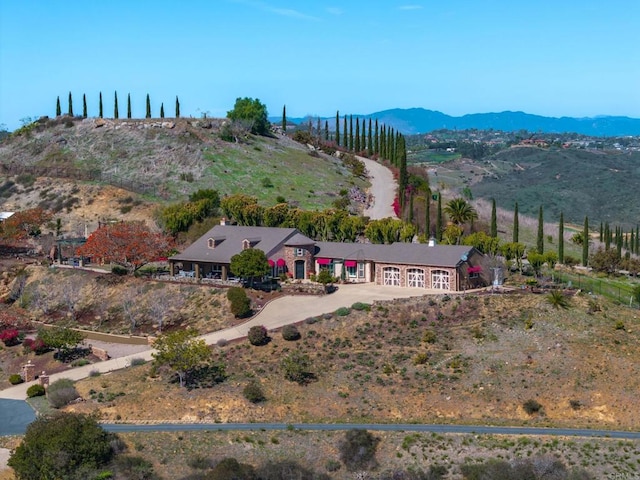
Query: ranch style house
[{"x": 429, "y": 266}]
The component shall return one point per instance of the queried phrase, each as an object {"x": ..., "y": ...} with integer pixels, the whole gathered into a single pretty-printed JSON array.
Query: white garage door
[
  {"x": 440, "y": 280},
  {"x": 415, "y": 277},
  {"x": 391, "y": 276}
]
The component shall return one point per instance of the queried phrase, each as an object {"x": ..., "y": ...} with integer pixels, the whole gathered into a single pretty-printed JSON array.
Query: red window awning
[
  {"x": 271, "y": 263},
  {"x": 350, "y": 263},
  {"x": 474, "y": 269},
  {"x": 323, "y": 261},
  {"x": 281, "y": 262}
]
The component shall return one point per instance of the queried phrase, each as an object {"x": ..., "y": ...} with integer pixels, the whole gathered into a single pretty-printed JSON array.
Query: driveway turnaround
[
  {"x": 15, "y": 415},
  {"x": 276, "y": 314}
]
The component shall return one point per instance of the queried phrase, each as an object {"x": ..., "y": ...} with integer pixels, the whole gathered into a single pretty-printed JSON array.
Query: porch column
[
  {"x": 224, "y": 272},
  {"x": 172, "y": 269},
  {"x": 197, "y": 269}
]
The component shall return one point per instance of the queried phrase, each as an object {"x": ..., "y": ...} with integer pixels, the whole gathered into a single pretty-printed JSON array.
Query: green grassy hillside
[
  {"x": 169, "y": 159},
  {"x": 601, "y": 185}
]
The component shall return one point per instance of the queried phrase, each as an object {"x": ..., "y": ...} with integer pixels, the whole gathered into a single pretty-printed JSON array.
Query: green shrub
[
  {"x": 343, "y": 311},
  {"x": 361, "y": 306},
  {"x": 429, "y": 336},
  {"x": 119, "y": 270},
  {"x": 290, "y": 333},
  {"x": 332, "y": 465},
  {"x": 421, "y": 359},
  {"x": 15, "y": 379},
  {"x": 199, "y": 462},
  {"x": 62, "y": 393},
  {"x": 258, "y": 335},
  {"x": 137, "y": 361},
  {"x": 296, "y": 367},
  {"x": 94, "y": 373},
  {"x": 253, "y": 392},
  {"x": 619, "y": 325},
  {"x": 324, "y": 277},
  {"x": 80, "y": 362},
  {"x": 358, "y": 450},
  {"x": 532, "y": 406},
  {"x": 36, "y": 390},
  {"x": 240, "y": 303}
]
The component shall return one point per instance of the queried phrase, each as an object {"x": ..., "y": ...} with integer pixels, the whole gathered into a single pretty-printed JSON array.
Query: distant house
[
  {"x": 5, "y": 215},
  {"x": 429, "y": 266}
]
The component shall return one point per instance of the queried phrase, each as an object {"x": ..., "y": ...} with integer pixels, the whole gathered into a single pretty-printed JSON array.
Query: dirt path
[{"x": 383, "y": 189}]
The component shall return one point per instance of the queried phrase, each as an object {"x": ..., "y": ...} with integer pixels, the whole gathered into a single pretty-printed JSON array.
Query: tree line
[{"x": 116, "y": 110}]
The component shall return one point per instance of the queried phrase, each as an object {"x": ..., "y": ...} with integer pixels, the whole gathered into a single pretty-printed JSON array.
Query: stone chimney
[
  {"x": 432, "y": 241},
  {"x": 223, "y": 221}
]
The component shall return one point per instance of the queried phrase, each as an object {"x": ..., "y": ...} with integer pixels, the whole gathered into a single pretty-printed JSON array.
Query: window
[
  {"x": 299, "y": 252},
  {"x": 415, "y": 278},
  {"x": 361, "y": 270},
  {"x": 216, "y": 272},
  {"x": 440, "y": 280},
  {"x": 352, "y": 271},
  {"x": 246, "y": 244},
  {"x": 391, "y": 276},
  {"x": 211, "y": 243}
]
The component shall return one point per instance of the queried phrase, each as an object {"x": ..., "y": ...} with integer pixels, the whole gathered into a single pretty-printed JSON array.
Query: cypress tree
[
  {"x": 370, "y": 139},
  {"x": 376, "y": 140},
  {"x": 383, "y": 143},
  {"x": 540, "y": 237},
  {"x": 177, "y": 107},
  {"x": 70, "y": 112},
  {"x": 58, "y": 109},
  {"x": 601, "y": 233},
  {"x": 326, "y": 130},
  {"x": 284, "y": 119},
  {"x": 162, "y": 110},
  {"x": 84, "y": 106},
  {"x": 128, "y": 105},
  {"x": 338, "y": 127},
  {"x": 626, "y": 241},
  {"x": 494, "y": 219},
  {"x": 585, "y": 242},
  {"x": 318, "y": 132},
  {"x": 607, "y": 236},
  {"x": 351, "y": 133},
  {"x": 619, "y": 241},
  {"x": 100, "y": 106},
  {"x": 115, "y": 105},
  {"x": 637, "y": 240},
  {"x": 439, "y": 219},
  {"x": 363, "y": 138},
  {"x": 345, "y": 137},
  {"x": 357, "y": 138},
  {"x": 561, "y": 239},
  {"x": 427, "y": 213},
  {"x": 148, "y": 114},
  {"x": 516, "y": 225}
]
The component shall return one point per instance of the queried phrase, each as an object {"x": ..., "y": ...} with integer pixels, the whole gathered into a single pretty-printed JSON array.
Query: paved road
[
  {"x": 464, "y": 429},
  {"x": 383, "y": 189}
]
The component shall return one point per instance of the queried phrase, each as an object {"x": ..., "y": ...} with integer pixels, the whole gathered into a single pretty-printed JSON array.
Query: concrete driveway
[{"x": 276, "y": 314}]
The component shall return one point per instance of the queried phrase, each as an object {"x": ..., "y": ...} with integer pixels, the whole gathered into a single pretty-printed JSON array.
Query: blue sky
[{"x": 547, "y": 57}]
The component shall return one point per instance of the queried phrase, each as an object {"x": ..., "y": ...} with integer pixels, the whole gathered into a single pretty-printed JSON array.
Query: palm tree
[{"x": 460, "y": 212}]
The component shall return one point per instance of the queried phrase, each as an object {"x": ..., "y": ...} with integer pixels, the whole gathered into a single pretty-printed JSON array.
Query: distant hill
[
  {"x": 601, "y": 185},
  {"x": 419, "y": 120}
]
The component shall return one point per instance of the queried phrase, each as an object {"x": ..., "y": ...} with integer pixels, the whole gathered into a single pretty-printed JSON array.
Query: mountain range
[{"x": 413, "y": 121}]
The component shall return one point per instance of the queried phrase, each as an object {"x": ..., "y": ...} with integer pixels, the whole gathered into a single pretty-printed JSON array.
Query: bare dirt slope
[{"x": 476, "y": 359}]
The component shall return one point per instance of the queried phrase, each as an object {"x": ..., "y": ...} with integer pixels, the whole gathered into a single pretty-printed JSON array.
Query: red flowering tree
[
  {"x": 23, "y": 224},
  {"x": 131, "y": 244}
]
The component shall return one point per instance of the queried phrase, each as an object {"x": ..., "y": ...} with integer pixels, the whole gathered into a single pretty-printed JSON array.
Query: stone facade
[{"x": 289, "y": 254}]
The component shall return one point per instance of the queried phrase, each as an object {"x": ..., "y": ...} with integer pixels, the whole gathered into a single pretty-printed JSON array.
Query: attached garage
[
  {"x": 415, "y": 278},
  {"x": 391, "y": 276},
  {"x": 440, "y": 280}
]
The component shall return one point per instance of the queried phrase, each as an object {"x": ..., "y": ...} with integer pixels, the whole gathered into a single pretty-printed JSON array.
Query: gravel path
[
  {"x": 4, "y": 458},
  {"x": 383, "y": 189}
]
